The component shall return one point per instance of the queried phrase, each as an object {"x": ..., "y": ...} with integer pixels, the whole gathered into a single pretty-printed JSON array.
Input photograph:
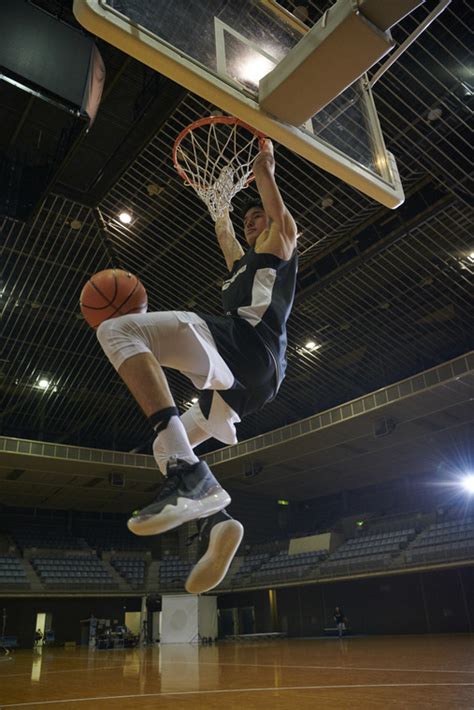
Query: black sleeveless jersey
[{"x": 261, "y": 289}]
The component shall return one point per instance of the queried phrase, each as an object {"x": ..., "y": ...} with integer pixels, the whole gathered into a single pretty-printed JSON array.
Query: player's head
[{"x": 255, "y": 220}]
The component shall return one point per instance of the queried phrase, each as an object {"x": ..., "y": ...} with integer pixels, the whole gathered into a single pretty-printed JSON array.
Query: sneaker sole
[
  {"x": 211, "y": 569},
  {"x": 172, "y": 516}
]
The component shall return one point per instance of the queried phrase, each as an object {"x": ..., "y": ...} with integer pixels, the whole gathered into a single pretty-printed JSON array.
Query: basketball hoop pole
[
  {"x": 105, "y": 239},
  {"x": 409, "y": 40}
]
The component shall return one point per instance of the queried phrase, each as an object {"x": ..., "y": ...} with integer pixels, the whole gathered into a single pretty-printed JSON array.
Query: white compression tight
[{"x": 182, "y": 341}]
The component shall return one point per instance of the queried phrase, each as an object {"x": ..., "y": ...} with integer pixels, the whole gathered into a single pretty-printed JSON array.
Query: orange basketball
[{"x": 112, "y": 293}]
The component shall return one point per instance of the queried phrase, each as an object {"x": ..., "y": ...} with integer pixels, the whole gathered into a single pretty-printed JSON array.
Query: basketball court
[
  {"x": 435, "y": 671},
  {"x": 268, "y": 74}
]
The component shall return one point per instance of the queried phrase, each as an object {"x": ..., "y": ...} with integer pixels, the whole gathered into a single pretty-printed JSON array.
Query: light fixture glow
[
  {"x": 468, "y": 483},
  {"x": 125, "y": 217},
  {"x": 311, "y": 345},
  {"x": 194, "y": 400},
  {"x": 283, "y": 502},
  {"x": 254, "y": 68},
  {"x": 43, "y": 383}
]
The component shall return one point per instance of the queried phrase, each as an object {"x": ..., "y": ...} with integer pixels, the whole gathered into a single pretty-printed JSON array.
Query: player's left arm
[{"x": 283, "y": 233}]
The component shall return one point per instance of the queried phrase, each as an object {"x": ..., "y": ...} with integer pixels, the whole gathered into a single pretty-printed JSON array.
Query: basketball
[{"x": 112, "y": 293}]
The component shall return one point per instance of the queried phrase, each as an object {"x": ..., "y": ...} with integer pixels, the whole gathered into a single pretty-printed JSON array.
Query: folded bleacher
[
  {"x": 367, "y": 552},
  {"x": 131, "y": 569},
  {"x": 453, "y": 539},
  {"x": 73, "y": 571},
  {"x": 12, "y": 573}
]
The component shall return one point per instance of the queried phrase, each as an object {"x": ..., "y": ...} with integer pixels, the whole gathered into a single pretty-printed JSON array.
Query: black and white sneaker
[
  {"x": 190, "y": 492},
  {"x": 219, "y": 539}
]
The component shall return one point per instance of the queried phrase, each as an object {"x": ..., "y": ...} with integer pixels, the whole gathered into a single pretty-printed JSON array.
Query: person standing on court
[
  {"x": 340, "y": 620},
  {"x": 237, "y": 360}
]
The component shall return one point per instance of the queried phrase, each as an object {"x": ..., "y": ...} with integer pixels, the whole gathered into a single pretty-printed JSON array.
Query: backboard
[{"x": 221, "y": 49}]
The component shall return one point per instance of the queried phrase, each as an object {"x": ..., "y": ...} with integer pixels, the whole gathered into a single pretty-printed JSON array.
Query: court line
[
  {"x": 247, "y": 665},
  {"x": 65, "y": 670},
  {"x": 321, "y": 668},
  {"x": 279, "y": 665},
  {"x": 223, "y": 691}
]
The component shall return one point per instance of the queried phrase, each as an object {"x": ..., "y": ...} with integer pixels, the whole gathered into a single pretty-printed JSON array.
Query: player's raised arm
[
  {"x": 283, "y": 231},
  {"x": 227, "y": 240}
]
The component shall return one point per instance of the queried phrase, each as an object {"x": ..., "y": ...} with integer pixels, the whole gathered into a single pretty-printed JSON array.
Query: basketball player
[{"x": 236, "y": 360}]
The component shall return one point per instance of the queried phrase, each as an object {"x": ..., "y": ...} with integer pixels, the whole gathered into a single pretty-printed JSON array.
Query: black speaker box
[{"x": 43, "y": 58}]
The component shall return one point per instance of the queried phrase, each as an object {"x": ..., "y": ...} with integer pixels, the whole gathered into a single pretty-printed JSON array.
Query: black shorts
[{"x": 251, "y": 363}]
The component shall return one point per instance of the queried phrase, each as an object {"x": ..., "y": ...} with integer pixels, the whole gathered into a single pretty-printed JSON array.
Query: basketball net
[{"x": 215, "y": 156}]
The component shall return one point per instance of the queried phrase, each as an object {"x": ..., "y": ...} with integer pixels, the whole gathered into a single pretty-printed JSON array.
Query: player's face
[{"x": 255, "y": 222}]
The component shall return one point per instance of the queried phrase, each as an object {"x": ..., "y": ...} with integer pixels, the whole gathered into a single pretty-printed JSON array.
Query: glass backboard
[{"x": 220, "y": 49}]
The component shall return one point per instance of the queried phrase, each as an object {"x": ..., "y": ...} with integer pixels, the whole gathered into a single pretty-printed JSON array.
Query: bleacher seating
[
  {"x": 374, "y": 543},
  {"x": 448, "y": 540},
  {"x": 73, "y": 571},
  {"x": 286, "y": 566},
  {"x": 131, "y": 569},
  {"x": 367, "y": 552},
  {"x": 110, "y": 538},
  {"x": 12, "y": 573},
  {"x": 379, "y": 546},
  {"x": 250, "y": 564},
  {"x": 47, "y": 538},
  {"x": 173, "y": 572}
]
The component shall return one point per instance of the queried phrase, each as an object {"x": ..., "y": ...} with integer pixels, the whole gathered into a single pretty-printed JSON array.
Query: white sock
[
  {"x": 196, "y": 434},
  {"x": 172, "y": 442}
]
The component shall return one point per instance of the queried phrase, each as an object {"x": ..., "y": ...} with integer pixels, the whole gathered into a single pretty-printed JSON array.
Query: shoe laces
[{"x": 169, "y": 486}]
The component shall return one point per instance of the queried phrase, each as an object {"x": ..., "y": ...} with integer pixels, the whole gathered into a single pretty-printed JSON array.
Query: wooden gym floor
[{"x": 367, "y": 672}]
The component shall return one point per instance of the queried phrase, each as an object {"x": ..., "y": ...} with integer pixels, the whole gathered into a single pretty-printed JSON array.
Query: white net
[{"x": 216, "y": 158}]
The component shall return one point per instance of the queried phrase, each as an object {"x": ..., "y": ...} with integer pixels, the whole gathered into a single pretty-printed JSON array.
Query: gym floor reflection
[{"x": 378, "y": 672}]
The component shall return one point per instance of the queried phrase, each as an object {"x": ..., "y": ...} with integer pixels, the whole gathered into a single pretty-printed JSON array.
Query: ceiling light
[
  {"x": 471, "y": 256},
  {"x": 153, "y": 189},
  {"x": 311, "y": 345},
  {"x": 254, "y": 68},
  {"x": 43, "y": 383},
  {"x": 125, "y": 217},
  {"x": 434, "y": 114},
  {"x": 194, "y": 400},
  {"x": 468, "y": 483},
  {"x": 327, "y": 202}
]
